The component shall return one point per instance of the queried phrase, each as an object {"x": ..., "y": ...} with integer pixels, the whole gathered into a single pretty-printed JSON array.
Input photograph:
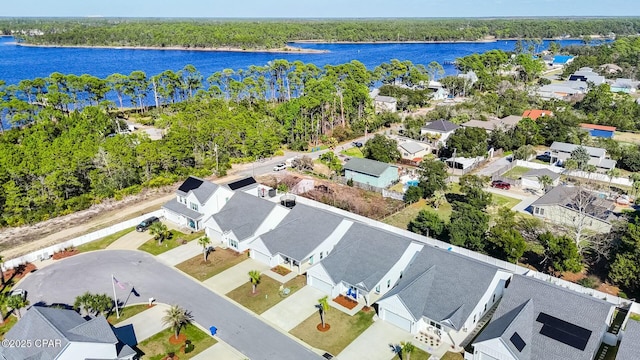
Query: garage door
[
  {"x": 397, "y": 320},
  {"x": 323, "y": 286},
  {"x": 263, "y": 258}
]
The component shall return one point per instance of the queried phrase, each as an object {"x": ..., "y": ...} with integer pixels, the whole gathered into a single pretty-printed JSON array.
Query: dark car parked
[
  {"x": 501, "y": 185},
  {"x": 144, "y": 225},
  {"x": 357, "y": 144}
]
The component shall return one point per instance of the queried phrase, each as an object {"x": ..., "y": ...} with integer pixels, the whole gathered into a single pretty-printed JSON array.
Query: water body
[{"x": 18, "y": 63}]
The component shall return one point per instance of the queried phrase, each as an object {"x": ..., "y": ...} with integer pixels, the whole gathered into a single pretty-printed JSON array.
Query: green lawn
[
  {"x": 101, "y": 244},
  {"x": 344, "y": 329},
  {"x": 7, "y": 325},
  {"x": 505, "y": 201},
  {"x": 267, "y": 293},
  {"x": 452, "y": 356},
  {"x": 217, "y": 262},
  {"x": 402, "y": 218},
  {"x": 417, "y": 354},
  {"x": 126, "y": 313},
  {"x": 158, "y": 346},
  {"x": 352, "y": 152},
  {"x": 173, "y": 242},
  {"x": 516, "y": 172}
]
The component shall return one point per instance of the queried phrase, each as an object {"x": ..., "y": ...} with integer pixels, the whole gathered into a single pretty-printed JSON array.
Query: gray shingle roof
[
  {"x": 567, "y": 148},
  {"x": 364, "y": 255},
  {"x": 182, "y": 209},
  {"x": 443, "y": 286},
  {"x": 440, "y": 126},
  {"x": 525, "y": 299},
  {"x": 243, "y": 214},
  {"x": 385, "y": 99},
  {"x": 202, "y": 189},
  {"x": 301, "y": 231},
  {"x": 568, "y": 197},
  {"x": 367, "y": 166},
  {"x": 411, "y": 147},
  {"x": 630, "y": 345},
  {"x": 51, "y": 323},
  {"x": 535, "y": 173}
]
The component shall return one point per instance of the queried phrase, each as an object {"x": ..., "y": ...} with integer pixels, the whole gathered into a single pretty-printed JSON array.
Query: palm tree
[
  {"x": 570, "y": 165},
  {"x": 254, "y": 276},
  {"x": 545, "y": 181},
  {"x": 612, "y": 173},
  {"x": 17, "y": 302},
  {"x": 438, "y": 199},
  {"x": 204, "y": 242},
  {"x": 407, "y": 348},
  {"x": 323, "y": 307},
  {"x": 101, "y": 304},
  {"x": 176, "y": 317},
  {"x": 159, "y": 231},
  {"x": 83, "y": 303}
]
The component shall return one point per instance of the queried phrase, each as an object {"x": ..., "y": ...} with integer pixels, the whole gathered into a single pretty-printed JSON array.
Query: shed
[{"x": 602, "y": 131}]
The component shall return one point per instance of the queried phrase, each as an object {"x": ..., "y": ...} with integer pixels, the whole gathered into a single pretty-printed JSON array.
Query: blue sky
[{"x": 320, "y": 8}]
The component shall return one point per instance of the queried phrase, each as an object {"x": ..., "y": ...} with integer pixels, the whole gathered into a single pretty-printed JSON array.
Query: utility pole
[{"x": 215, "y": 148}]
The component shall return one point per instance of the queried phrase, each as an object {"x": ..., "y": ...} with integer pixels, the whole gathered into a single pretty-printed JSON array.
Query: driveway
[
  {"x": 293, "y": 310},
  {"x": 493, "y": 166},
  {"x": 131, "y": 241},
  {"x": 145, "y": 324},
  {"x": 180, "y": 254},
  {"x": 63, "y": 281},
  {"x": 375, "y": 342},
  {"x": 525, "y": 200},
  {"x": 219, "y": 350},
  {"x": 234, "y": 276}
]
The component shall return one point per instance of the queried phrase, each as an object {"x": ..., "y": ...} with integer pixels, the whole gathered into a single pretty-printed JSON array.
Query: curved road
[{"x": 63, "y": 281}]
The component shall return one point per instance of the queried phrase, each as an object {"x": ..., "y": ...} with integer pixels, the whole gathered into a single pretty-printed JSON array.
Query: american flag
[{"x": 118, "y": 283}]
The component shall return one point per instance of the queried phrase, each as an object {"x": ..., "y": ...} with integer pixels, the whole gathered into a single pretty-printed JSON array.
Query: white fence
[
  {"x": 581, "y": 174},
  {"x": 392, "y": 194},
  {"x": 46, "y": 252}
]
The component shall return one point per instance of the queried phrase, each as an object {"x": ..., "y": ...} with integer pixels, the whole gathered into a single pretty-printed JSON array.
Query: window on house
[
  {"x": 485, "y": 307},
  {"x": 474, "y": 318},
  {"x": 388, "y": 284},
  {"x": 378, "y": 289},
  {"x": 400, "y": 274},
  {"x": 233, "y": 243},
  {"x": 494, "y": 298},
  {"x": 194, "y": 206}
]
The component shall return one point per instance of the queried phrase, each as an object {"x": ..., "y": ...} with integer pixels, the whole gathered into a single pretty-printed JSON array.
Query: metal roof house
[
  {"x": 371, "y": 172},
  {"x": 602, "y": 131},
  {"x": 364, "y": 265},
  {"x": 196, "y": 200},
  {"x": 539, "y": 320},
  {"x": 443, "y": 294},
  {"x": 64, "y": 334}
]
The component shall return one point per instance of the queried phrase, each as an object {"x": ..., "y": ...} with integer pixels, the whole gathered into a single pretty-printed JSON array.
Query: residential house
[
  {"x": 438, "y": 91},
  {"x": 610, "y": 68},
  {"x": 385, "y": 104},
  {"x": 246, "y": 184},
  {"x": 196, "y": 200},
  {"x": 560, "y": 152},
  {"x": 371, "y": 172},
  {"x": 575, "y": 207},
  {"x": 304, "y": 237},
  {"x": 563, "y": 90},
  {"x": 539, "y": 320},
  {"x": 531, "y": 179},
  {"x": 242, "y": 219},
  {"x": 413, "y": 151},
  {"x": 63, "y": 334},
  {"x": 629, "y": 348},
  {"x": 587, "y": 75},
  {"x": 438, "y": 131},
  {"x": 602, "y": 131},
  {"x": 469, "y": 77},
  {"x": 443, "y": 294},
  {"x": 364, "y": 265},
  {"x": 463, "y": 163},
  {"x": 535, "y": 114},
  {"x": 506, "y": 123},
  {"x": 628, "y": 86}
]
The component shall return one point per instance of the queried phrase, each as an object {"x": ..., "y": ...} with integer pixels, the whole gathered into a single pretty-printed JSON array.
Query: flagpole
[{"x": 115, "y": 298}]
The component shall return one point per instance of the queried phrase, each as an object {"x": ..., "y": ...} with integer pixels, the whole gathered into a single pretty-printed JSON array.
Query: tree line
[{"x": 272, "y": 34}]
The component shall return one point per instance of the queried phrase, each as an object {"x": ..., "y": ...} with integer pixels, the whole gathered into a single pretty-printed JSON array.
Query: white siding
[
  {"x": 174, "y": 217},
  {"x": 397, "y": 320},
  {"x": 328, "y": 244},
  {"x": 393, "y": 305},
  {"x": 496, "y": 287},
  {"x": 317, "y": 277},
  {"x": 492, "y": 349},
  {"x": 85, "y": 350},
  {"x": 260, "y": 252}
]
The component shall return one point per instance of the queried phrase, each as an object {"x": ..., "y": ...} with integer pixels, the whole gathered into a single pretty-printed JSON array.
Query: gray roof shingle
[
  {"x": 567, "y": 148},
  {"x": 364, "y": 255},
  {"x": 243, "y": 214},
  {"x": 522, "y": 303},
  {"x": 301, "y": 231},
  {"x": 440, "y": 126},
  {"x": 367, "y": 166},
  {"x": 411, "y": 147},
  {"x": 535, "y": 173},
  {"x": 630, "y": 345},
  {"x": 443, "y": 286},
  {"x": 182, "y": 209},
  {"x": 202, "y": 189},
  {"x": 577, "y": 199}
]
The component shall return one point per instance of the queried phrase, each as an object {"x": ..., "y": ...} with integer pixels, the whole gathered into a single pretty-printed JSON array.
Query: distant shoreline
[
  {"x": 284, "y": 50},
  {"x": 480, "y": 41}
]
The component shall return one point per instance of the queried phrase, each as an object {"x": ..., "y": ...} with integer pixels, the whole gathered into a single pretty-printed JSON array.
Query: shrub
[
  {"x": 350, "y": 182},
  {"x": 590, "y": 282},
  {"x": 413, "y": 194}
]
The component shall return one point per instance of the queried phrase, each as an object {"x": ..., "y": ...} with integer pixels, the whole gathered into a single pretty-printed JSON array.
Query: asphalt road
[{"x": 63, "y": 281}]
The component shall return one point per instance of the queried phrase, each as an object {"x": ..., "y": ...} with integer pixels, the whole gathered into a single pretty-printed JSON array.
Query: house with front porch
[
  {"x": 560, "y": 152},
  {"x": 242, "y": 219},
  {"x": 443, "y": 294},
  {"x": 364, "y": 265},
  {"x": 540, "y": 320},
  {"x": 305, "y": 236},
  {"x": 196, "y": 200}
]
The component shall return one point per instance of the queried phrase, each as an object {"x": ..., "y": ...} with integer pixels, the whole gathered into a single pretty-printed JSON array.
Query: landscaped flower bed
[
  {"x": 281, "y": 270},
  {"x": 346, "y": 302},
  {"x": 18, "y": 272},
  {"x": 65, "y": 253}
]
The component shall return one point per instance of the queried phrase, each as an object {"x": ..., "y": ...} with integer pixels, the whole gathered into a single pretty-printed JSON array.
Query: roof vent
[{"x": 288, "y": 201}]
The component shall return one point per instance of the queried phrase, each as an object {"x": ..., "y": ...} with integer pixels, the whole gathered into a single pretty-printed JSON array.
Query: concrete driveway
[
  {"x": 182, "y": 253},
  {"x": 131, "y": 241},
  {"x": 234, "y": 276},
  {"x": 293, "y": 310},
  {"x": 219, "y": 350},
  {"x": 63, "y": 281},
  {"x": 375, "y": 342},
  {"x": 147, "y": 323}
]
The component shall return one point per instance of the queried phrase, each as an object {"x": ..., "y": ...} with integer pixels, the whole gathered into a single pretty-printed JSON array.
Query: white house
[
  {"x": 438, "y": 131},
  {"x": 504, "y": 124},
  {"x": 531, "y": 179},
  {"x": 598, "y": 157},
  {"x": 65, "y": 335},
  {"x": 539, "y": 320},
  {"x": 242, "y": 219},
  {"x": 196, "y": 200},
  {"x": 304, "y": 237},
  {"x": 438, "y": 92},
  {"x": 443, "y": 294},
  {"x": 364, "y": 265},
  {"x": 413, "y": 150},
  {"x": 385, "y": 104}
]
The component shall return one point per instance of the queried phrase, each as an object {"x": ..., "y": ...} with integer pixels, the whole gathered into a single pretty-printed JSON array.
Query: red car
[{"x": 501, "y": 185}]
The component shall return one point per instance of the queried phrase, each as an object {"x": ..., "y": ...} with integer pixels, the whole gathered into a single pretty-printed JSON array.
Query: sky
[{"x": 318, "y": 8}]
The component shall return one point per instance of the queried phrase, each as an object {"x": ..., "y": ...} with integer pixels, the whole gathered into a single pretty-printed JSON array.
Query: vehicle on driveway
[
  {"x": 357, "y": 144},
  {"x": 18, "y": 292},
  {"x": 279, "y": 167},
  {"x": 146, "y": 223},
  {"x": 499, "y": 184}
]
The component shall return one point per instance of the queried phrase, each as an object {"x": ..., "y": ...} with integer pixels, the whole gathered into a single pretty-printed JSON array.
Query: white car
[
  {"x": 279, "y": 167},
  {"x": 19, "y": 292}
]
